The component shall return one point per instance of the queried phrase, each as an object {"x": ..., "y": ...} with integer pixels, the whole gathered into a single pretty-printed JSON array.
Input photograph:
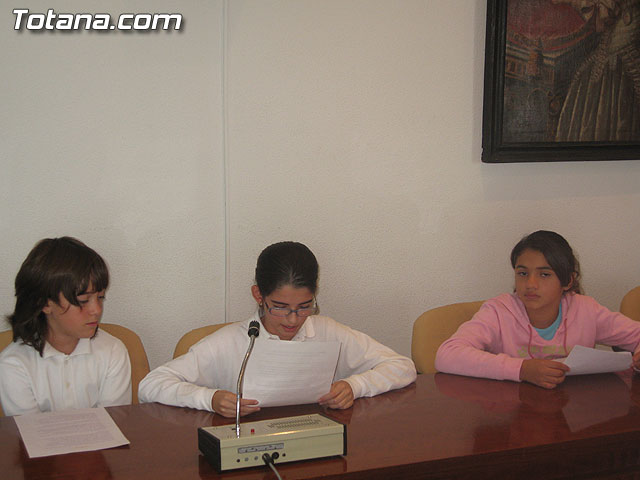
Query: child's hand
[
  {"x": 636, "y": 360},
  {"x": 224, "y": 403},
  {"x": 544, "y": 373},
  {"x": 339, "y": 397}
]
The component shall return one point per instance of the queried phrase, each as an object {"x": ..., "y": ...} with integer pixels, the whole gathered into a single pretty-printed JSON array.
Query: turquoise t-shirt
[{"x": 550, "y": 331}]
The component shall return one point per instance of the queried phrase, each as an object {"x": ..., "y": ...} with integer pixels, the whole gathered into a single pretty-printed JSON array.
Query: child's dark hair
[
  {"x": 286, "y": 263},
  {"x": 558, "y": 254},
  {"x": 54, "y": 266}
]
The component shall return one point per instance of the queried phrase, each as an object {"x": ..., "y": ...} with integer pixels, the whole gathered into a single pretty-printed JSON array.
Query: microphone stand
[{"x": 254, "y": 331}]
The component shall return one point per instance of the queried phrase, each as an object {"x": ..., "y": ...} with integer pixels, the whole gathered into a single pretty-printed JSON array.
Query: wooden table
[{"x": 443, "y": 426}]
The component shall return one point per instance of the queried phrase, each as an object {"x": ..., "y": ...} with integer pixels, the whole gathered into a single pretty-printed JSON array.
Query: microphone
[
  {"x": 254, "y": 331},
  {"x": 304, "y": 436},
  {"x": 254, "y": 328}
]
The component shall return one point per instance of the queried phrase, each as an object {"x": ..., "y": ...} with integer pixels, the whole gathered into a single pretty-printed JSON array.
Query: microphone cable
[{"x": 268, "y": 460}]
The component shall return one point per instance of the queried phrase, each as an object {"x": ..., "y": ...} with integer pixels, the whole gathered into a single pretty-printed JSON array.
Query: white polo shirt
[
  {"x": 96, "y": 374},
  {"x": 213, "y": 363}
]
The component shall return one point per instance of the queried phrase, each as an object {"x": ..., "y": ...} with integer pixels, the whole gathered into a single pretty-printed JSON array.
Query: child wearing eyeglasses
[
  {"x": 59, "y": 359},
  {"x": 519, "y": 336},
  {"x": 286, "y": 284}
]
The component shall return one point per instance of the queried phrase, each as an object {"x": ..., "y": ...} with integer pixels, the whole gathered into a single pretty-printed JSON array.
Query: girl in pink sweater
[{"x": 517, "y": 336}]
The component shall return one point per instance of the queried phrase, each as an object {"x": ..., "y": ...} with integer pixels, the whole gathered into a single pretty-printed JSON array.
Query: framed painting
[{"x": 561, "y": 81}]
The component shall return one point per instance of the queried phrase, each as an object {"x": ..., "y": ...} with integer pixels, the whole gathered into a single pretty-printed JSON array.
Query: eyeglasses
[{"x": 300, "y": 312}]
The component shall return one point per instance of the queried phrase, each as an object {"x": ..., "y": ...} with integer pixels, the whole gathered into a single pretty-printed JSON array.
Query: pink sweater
[{"x": 499, "y": 337}]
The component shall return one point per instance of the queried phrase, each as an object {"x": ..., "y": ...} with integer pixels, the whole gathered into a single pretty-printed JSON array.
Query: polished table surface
[{"x": 443, "y": 426}]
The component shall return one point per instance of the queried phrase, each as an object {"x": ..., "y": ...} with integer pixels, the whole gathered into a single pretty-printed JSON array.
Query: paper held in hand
[
  {"x": 583, "y": 360},
  {"x": 290, "y": 373}
]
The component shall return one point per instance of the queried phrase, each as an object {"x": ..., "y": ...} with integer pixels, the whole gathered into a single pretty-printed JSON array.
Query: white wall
[
  {"x": 352, "y": 126},
  {"x": 116, "y": 139}
]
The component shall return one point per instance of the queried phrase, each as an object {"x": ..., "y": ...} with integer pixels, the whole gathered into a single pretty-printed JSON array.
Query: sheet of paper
[
  {"x": 583, "y": 360},
  {"x": 290, "y": 373},
  {"x": 67, "y": 431}
]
